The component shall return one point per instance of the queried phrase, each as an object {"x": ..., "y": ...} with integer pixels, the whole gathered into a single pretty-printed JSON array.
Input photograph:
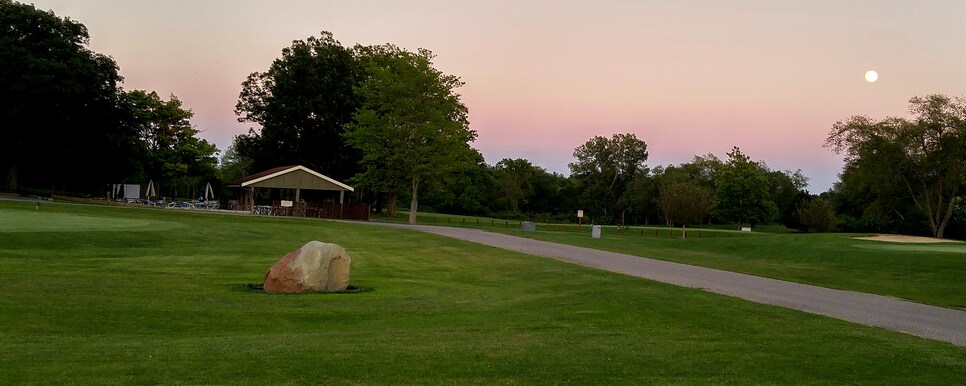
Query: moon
[{"x": 871, "y": 76}]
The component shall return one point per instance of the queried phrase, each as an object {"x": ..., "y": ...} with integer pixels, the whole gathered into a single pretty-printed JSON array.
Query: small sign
[
  {"x": 286, "y": 203},
  {"x": 580, "y": 213},
  {"x": 746, "y": 229}
]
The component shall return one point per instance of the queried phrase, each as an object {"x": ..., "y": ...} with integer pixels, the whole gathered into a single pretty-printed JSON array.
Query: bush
[{"x": 817, "y": 216}]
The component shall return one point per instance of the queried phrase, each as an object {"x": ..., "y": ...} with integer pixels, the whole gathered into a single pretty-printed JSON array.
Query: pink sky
[{"x": 543, "y": 77}]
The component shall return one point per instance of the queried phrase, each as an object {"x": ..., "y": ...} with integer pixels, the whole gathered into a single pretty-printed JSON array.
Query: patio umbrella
[
  {"x": 150, "y": 193},
  {"x": 209, "y": 192}
]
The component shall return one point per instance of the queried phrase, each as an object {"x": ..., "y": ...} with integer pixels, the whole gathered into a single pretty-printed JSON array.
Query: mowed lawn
[
  {"x": 101, "y": 295},
  {"x": 931, "y": 273}
]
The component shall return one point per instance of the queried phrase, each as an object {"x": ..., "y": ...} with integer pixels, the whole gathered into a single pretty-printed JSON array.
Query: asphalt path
[{"x": 943, "y": 324}]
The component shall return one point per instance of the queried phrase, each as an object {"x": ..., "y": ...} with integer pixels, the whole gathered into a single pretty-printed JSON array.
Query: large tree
[
  {"x": 412, "y": 128},
  {"x": 61, "y": 125},
  {"x": 302, "y": 103},
  {"x": 742, "y": 194},
  {"x": 921, "y": 158},
  {"x": 605, "y": 167}
]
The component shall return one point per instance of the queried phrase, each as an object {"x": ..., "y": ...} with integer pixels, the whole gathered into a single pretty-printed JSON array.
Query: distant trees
[
  {"x": 302, "y": 102},
  {"x": 742, "y": 194},
  {"x": 922, "y": 158},
  {"x": 61, "y": 104},
  {"x": 515, "y": 178},
  {"x": 684, "y": 203},
  {"x": 817, "y": 216},
  {"x": 61, "y": 123},
  {"x": 411, "y": 127},
  {"x": 172, "y": 150},
  {"x": 604, "y": 168}
]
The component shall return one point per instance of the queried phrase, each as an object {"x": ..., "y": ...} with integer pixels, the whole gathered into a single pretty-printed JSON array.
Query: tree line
[
  {"x": 386, "y": 120},
  {"x": 68, "y": 125}
]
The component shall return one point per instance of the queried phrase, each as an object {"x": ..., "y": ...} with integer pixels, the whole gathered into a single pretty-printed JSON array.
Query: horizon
[{"x": 542, "y": 78}]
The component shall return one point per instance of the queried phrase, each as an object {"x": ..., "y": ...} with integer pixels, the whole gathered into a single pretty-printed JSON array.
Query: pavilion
[{"x": 295, "y": 190}]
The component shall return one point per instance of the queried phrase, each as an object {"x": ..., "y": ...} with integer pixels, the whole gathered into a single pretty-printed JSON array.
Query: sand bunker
[{"x": 906, "y": 239}]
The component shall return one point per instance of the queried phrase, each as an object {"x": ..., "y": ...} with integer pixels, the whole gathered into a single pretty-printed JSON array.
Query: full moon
[{"x": 871, "y": 76}]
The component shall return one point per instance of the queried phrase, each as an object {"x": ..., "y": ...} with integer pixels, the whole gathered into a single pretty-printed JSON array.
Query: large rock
[{"x": 315, "y": 267}]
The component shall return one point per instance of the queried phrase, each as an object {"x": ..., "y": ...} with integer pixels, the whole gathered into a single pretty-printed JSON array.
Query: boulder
[{"x": 316, "y": 267}]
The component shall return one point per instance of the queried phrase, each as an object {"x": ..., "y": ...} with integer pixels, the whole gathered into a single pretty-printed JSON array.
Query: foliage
[
  {"x": 412, "y": 127},
  {"x": 684, "y": 203},
  {"x": 470, "y": 190},
  {"x": 817, "y": 216},
  {"x": 59, "y": 106},
  {"x": 515, "y": 178},
  {"x": 233, "y": 166},
  {"x": 742, "y": 195},
  {"x": 788, "y": 192},
  {"x": 603, "y": 169},
  {"x": 922, "y": 158},
  {"x": 302, "y": 103},
  {"x": 862, "y": 204},
  {"x": 173, "y": 151}
]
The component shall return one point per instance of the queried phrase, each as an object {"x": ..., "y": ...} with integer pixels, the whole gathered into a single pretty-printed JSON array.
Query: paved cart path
[{"x": 922, "y": 320}]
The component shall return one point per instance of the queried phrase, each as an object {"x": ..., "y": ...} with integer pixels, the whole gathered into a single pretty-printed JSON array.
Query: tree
[
  {"x": 470, "y": 190},
  {"x": 412, "y": 128},
  {"x": 817, "y": 216},
  {"x": 923, "y": 158},
  {"x": 788, "y": 192},
  {"x": 742, "y": 195},
  {"x": 302, "y": 104},
  {"x": 684, "y": 203},
  {"x": 59, "y": 106},
  {"x": 233, "y": 166},
  {"x": 604, "y": 168},
  {"x": 173, "y": 150},
  {"x": 515, "y": 179}
]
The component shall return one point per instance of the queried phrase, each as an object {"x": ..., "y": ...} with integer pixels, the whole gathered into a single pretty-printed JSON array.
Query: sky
[{"x": 542, "y": 77}]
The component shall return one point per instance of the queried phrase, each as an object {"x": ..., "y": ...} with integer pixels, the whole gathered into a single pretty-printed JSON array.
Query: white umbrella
[
  {"x": 150, "y": 193},
  {"x": 209, "y": 192}
]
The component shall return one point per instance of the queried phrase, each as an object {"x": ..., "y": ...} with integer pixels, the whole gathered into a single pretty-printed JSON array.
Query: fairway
[
  {"x": 43, "y": 219},
  {"x": 925, "y": 273},
  {"x": 170, "y": 304}
]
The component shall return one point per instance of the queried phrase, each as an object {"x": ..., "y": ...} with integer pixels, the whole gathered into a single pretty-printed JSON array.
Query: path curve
[{"x": 922, "y": 320}]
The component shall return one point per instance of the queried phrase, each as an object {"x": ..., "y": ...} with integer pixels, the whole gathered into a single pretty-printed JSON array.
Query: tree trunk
[
  {"x": 945, "y": 220},
  {"x": 414, "y": 203},
  {"x": 12, "y": 180},
  {"x": 393, "y": 198}
]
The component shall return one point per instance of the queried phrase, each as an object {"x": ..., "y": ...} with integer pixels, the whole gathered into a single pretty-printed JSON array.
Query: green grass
[
  {"x": 926, "y": 273},
  {"x": 165, "y": 300}
]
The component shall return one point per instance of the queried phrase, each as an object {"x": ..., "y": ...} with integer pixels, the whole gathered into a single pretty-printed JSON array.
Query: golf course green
[{"x": 108, "y": 295}]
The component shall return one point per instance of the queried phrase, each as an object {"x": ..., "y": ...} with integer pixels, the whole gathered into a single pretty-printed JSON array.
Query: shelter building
[{"x": 296, "y": 191}]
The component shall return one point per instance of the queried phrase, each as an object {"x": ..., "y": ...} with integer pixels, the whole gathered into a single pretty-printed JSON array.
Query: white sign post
[{"x": 580, "y": 217}]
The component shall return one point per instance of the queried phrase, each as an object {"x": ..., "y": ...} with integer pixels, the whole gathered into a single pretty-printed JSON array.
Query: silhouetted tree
[
  {"x": 302, "y": 103},
  {"x": 920, "y": 158},
  {"x": 61, "y": 123},
  {"x": 604, "y": 168}
]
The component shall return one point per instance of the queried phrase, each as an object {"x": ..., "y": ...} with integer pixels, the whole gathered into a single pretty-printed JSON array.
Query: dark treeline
[
  {"x": 68, "y": 126},
  {"x": 385, "y": 120}
]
